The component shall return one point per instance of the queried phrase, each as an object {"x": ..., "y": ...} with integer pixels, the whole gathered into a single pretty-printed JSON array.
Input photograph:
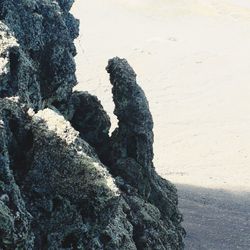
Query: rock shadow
[{"x": 215, "y": 219}]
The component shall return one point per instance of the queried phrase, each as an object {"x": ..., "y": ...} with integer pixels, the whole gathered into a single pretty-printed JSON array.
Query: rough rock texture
[
  {"x": 70, "y": 188},
  {"x": 41, "y": 66},
  {"x": 15, "y": 220},
  {"x": 87, "y": 116},
  {"x": 132, "y": 146},
  {"x": 64, "y": 183}
]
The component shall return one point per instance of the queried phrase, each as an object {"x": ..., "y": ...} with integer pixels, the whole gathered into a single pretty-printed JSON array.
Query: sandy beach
[{"x": 192, "y": 59}]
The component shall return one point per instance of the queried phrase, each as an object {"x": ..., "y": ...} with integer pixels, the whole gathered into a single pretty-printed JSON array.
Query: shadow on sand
[{"x": 215, "y": 219}]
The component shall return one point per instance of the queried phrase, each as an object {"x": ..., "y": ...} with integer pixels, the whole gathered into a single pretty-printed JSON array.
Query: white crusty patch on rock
[
  {"x": 15, "y": 99},
  {"x": 1, "y": 124},
  {"x": 109, "y": 180},
  {"x": 47, "y": 120},
  {"x": 30, "y": 112},
  {"x": 55, "y": 122}
]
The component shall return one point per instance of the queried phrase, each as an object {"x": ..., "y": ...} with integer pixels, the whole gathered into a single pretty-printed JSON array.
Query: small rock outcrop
[
  {"x": 132, "y": 145},
  {"x": 87, "y": 116},
  {"x": 64, "y": 182}
]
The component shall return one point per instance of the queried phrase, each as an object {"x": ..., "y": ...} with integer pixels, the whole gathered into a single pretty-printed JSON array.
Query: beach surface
[{"x": 192, "y": 59}]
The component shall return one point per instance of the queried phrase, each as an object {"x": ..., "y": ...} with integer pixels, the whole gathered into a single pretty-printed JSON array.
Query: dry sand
[{"x": 192, "y": 59}]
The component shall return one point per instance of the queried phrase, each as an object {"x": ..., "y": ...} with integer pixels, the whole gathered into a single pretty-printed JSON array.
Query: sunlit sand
[{"x": 192, "y": 59}]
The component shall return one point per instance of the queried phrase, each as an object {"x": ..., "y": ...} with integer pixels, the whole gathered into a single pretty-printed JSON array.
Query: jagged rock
[
  {"x": 41, "y": 68},
  {"x": 132, "y": 147},
  {"x": 77, "y": 203},
  {"x": 132, "y": 151},
  {"x": 18, "y": 77},
  {"x": 151, "y": 230},
  {"x": 15, "y": 220},
  {"x": 87, "y": 116},
  {"x": 55, "y": 190},
  {"x": 68, "y": 189}
]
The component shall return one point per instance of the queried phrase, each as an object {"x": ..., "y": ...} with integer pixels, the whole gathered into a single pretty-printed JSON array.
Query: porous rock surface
[
  {"x": 132, "y": 148},
  {"x": 41, "y": 66},
  {"x": 15, "y": 220},
  {"x": 64, "y": 182},
  {"x": 87, "y": 116}
]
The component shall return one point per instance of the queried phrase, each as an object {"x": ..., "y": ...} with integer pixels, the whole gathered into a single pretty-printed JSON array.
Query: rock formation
[
  {"x": 64, "y": 182},
  {"x": 87, "y": 116},
  {"x": 132, "y": 148}
]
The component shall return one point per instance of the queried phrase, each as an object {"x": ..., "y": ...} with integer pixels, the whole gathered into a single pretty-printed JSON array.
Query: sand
[{"x": 192, "y": 59}]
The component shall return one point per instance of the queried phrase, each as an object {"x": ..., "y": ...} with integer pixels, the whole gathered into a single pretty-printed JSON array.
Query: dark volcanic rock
[
  {"x": 64, "y": 183},
  {"x": 132, "y": 151},
  {"x": 87, "y": 116},
  {"x": 132, "y": 147},
  {"x": 15, "y": 220},
  {"x": 41, "y": 65},
  {"x": 75, "y": 201}
]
